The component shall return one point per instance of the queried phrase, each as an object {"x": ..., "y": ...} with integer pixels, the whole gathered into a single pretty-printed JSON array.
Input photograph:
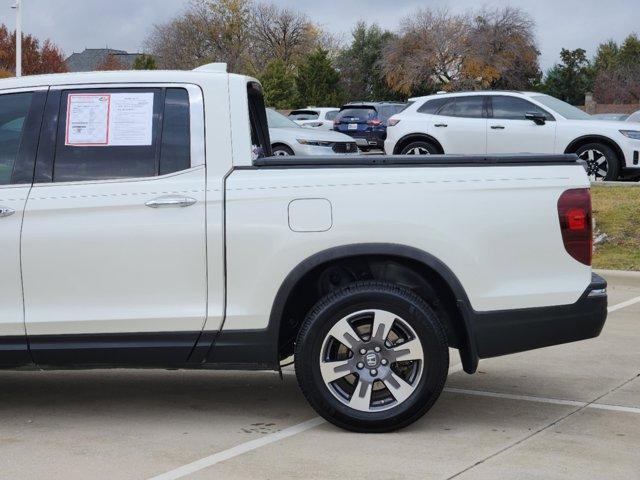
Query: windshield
[
  {"x": 634, "y": 117},
  {"x": 303, "y": 115},
  {"x": 563, "y": 108},
  {"x": 277, "y": 120}
]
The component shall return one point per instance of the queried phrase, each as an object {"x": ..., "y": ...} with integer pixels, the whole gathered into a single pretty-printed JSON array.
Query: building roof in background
[{"x": 91, "y": 58}]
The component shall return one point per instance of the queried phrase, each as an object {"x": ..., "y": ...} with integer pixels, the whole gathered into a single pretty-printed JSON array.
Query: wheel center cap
[{"x": 372, "y": 359}]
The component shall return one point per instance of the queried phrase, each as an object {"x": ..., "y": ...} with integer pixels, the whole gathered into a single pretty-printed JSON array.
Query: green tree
[
  {"x": 279, "y": 85},
  {"x": 318, "y": 81},
  {"x": 145, "y": 62},
  {"x": 606, "y": 56},
  {"x": 362, "y": 77},
  {"x": 629, "y": 54},
  {"x": 571, "y": 79}
]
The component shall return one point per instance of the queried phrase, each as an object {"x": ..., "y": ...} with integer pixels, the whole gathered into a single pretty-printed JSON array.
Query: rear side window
[
  {"x": 514, "y": 108},
  {"x": 13, "y": 112},
  {"x": 432, "y": 106},
  {"x": 331, "y": 115},
  {"x": 360, "y": 113},
  {"x": 468, "y": 106},
  {"x": 145, "y": 132}
]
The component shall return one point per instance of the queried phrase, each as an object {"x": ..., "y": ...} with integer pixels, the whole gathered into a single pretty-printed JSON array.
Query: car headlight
[
  {"x": 315, "y": 143},
  {"x": 635, "y": 134}
]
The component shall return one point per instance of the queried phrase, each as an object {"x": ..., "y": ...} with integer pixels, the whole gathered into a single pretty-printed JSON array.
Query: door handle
[
  {"x": 171, "y": 201},
  {"x": 6, "y": 212},
  {"x": 441, "y": 125},
  {"x": 497, "y": 127}
]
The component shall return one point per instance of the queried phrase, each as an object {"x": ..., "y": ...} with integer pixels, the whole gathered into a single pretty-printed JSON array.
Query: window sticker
[
  {"x": 88, "y": 119},
  {"x": 115, "y": 119}
]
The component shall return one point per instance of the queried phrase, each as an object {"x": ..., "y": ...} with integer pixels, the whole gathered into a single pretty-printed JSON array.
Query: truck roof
[{"x": 122, "y": 76}]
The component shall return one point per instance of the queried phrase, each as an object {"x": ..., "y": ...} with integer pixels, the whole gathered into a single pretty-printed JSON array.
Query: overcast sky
[{"x": 123, "y": 24}]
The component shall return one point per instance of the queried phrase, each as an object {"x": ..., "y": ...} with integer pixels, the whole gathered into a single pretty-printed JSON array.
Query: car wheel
[
  {"x": 372, "y": 357},
  {"x": 420, "y": 148},
  {"x": 281, "y": 151},
  {"x": 602, "y": 161}
]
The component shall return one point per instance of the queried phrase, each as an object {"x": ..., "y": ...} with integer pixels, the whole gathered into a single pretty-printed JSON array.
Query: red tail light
[
  {"x": 375, "y": 123},
  {"x": 574, "y": 212}
]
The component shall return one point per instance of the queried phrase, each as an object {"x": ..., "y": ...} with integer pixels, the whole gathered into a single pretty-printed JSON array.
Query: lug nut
[
  {"x": 373, "y": 372},
  {"x": 363, "y": 351},
  {"x": 360, "y": 365},
  {"x": 384, "y": 361},
  {"x": 377, "y": 349}
]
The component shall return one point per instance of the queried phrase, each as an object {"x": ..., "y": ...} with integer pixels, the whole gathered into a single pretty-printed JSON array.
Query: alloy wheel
[
  {"x": 371, "y": 360},
  {"x": 597, "y": 164},
  {"x": 417, "y": 151}
]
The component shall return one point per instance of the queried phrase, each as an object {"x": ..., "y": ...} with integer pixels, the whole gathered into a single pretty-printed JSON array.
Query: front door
[
  {"x": 20, "y": 117},
  {"x": 114, "y": 243},
  {"x": 509, "y": 131}
]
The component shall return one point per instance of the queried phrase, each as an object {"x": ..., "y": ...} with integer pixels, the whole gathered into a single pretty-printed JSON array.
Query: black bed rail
[{"x": 338, "y": 161}]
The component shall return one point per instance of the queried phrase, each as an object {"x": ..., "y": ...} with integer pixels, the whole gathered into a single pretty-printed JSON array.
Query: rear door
[
  {"x": 20, "y": 119},
  {"x": 460, "y": 125},
  {"x": 113, "y": 242},
  {"x": 510, "y": 132},
  {"x": 357, "y": 122}
]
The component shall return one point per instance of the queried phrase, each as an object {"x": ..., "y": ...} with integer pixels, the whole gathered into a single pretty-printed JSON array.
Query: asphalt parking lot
[{"x": 570, "y": 411}]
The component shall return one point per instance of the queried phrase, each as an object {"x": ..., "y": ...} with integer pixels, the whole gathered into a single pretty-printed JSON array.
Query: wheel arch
[
  {"x": 412, "y": 137},
  {"x": 406, "y": 261},
  {"x": 585, "y": 139}
]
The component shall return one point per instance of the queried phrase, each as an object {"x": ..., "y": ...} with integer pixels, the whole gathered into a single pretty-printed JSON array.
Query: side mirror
[{"x": 537, "y": 118}]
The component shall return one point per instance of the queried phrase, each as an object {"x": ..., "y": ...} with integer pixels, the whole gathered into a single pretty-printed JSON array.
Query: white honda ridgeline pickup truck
[{"x": 145, "y": 224}]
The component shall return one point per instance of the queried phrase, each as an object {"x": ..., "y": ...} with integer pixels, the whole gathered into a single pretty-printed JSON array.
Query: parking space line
[
  {"x": 628, "y": 303},
  {"x": 238, "y": 450},
  {"x": 553, "y": 401}
]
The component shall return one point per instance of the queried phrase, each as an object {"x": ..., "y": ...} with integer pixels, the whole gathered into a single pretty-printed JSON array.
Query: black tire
[
  {"x": 597, "y": 153},
  {"x": 408, "y": 307},
  {"x": 280, "y": 149},
  {"x": 420, "y": 147}
]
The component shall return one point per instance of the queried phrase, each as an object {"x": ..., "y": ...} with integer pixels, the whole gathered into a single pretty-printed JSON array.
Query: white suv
[{"x": 514, "y": 122}]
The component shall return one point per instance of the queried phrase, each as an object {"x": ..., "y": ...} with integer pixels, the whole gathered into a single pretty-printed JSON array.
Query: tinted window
[
  {"x": 331, "y": 115},
  {"x": 514, "y": 108},
  {"x": 432, "y": 106},
  {"x": 362, "y": 113},
  {"x": 167, "y": 150},
  {"x": 13, "y": 111},
  {"x": 470, "y": 107},
  {"x": 387, "y": 111},
  {"x": 175, "y": 154},
  {"x": 303, "y": 115}
]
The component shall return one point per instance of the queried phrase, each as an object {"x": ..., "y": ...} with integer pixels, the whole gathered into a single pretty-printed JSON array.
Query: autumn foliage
[
  {"x": 110, "y": 63},
  {"x": 36, "y": 58}
]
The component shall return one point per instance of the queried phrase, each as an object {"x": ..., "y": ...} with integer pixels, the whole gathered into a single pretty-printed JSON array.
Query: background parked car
[
  {"x": 316, "y": 117},
  {"x": 367, "y": 122},
  {"x": 634, "y": 117},
  {"x": 618, "y": 117},
  {"x": 514, "y": 122},
  {"x": 289, "y": 138}
]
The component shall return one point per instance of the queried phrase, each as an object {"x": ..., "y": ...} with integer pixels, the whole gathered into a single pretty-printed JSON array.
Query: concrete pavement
[{"x": 524, "y": 416}]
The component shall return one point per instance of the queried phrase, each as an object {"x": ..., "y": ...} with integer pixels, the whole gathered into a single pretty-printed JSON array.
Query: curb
[{"x": 619, "y": 273}]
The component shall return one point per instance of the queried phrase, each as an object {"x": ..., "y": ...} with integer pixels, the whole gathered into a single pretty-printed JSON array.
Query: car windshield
[
  {"x": 303, "y": 115},
  {"x": 565, "y": 109},
  {"x": 277, "y": 120},
  {"x": 634, "y": 117}
]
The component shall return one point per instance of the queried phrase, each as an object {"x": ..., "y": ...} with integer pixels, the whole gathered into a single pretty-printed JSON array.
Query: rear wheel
[
  {"x": 421, "y": 147},
  {"x": 372, "y": 357},
  {"x": 281, "y": 151},
  {"x": 602, "y": 161}
]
